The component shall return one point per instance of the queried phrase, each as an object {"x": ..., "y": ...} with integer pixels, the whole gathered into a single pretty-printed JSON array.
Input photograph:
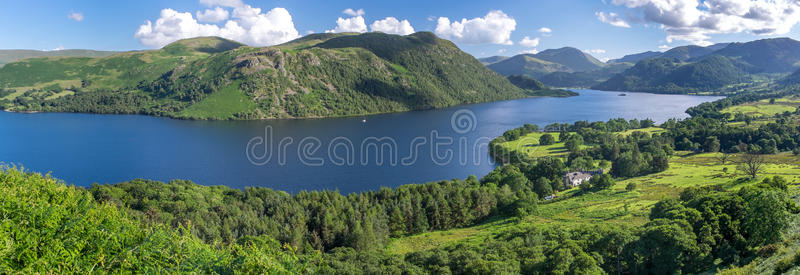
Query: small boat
[
  {"x": 363, "y": 121},
  {"x": 622, "y": 94}
]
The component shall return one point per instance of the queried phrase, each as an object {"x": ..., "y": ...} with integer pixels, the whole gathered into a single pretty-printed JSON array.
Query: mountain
[
  {"x": 554, "y": 60},
  {"x": 526, "y": 64},
  {"x": 320, "y": 75},
  {"x": 709, "y": 69},
  {"x": 792, "y": 79},
  {"x": 492, "y": 59},
  {"x": 536, "y": 88},
  {"x": 633, "y": 58},
  {"x": 574, "y": 59},
  {"x": 8, "y": 56},
  {"x": 684, "y": 53},
  {"x": 526, "y": 82},
  {"x": 584, "y": 79},
  {"x": 776, "y": 55},
  {"x": 209, "y": 44},
  {"x": 671, "y": 75}
]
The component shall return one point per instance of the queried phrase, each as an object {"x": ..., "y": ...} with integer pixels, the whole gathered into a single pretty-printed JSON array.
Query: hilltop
[
  {"x": 320, "y": 75},
  {"x": 565, "y": 59},
  {"x": 492, "y": 59},
  {"x": 8, "y": 56},
  {"x": 633, "y": 58},
  {"x": 563, "y": 67}
]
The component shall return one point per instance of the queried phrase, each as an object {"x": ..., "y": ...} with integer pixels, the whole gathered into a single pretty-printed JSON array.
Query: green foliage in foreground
[{"x": 48, "y": 227}]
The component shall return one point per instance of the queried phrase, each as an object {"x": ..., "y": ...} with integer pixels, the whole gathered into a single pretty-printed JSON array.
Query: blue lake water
[{"x": 416, "y": 146}]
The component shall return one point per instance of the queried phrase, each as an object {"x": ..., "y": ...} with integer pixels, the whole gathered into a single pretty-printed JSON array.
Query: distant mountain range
[
  {"x": 8, "y": 56},
  {"x": 686, "y": 69},
  {"x": 633, "y": 58},
  {"x": 693, "y": 69},
  {"x": 555, "y": 60},
  {"x": 320, "y": 75},
  {"x": 564, "y": 67}
]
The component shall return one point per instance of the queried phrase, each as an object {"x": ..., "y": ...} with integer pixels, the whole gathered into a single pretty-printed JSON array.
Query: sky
[{"x": 604, "y": 28}]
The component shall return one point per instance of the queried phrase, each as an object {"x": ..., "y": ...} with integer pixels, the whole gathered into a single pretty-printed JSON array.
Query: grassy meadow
[{"x": 616, "y": 205}]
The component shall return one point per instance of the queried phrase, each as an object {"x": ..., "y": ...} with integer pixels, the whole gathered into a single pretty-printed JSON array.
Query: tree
[
  {"x": 631, "y": 186},
  {"x": 751, "y": 163},
  {"x": 665, "y": 246},
  {"x": 711, "y": 145},
  {"x": 765, "y": 216},
  {"x": 585, "y": 163},
  {"x": 723, "y": 156},
  {"x": 564, "y": 136},
  {"x": 543, "y": 187},
  {"x": 601, "y": 182},
  {"x": 573, "y": 143},
  {"x": 625, "y": 166},
  {"x": 546, "y": 139},
  {"x": 777, "y": 182}
]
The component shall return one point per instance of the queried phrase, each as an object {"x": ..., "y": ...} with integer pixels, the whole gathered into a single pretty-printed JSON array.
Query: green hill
[
  {"x": 574, "y": 59},
  {"x": 8, "y": 56},
  {"x": 633, "y": 58},
  {"x": 776, "y": 55},
  {"x": 684, "y": 53},
  {"x": 564, "y": 67},
  {"x": 792, "y": 79},
  {"x": 492, "y": 59},
  {"x": 554, "y": 60},
  {"x": 526, "y": 64},
  {"x": 526, "y": 82},
  {"x": 319, "y": 75},
  {"x": 584, "y": 79},
  {"x": 667, "y": 75},
  {"x": 716, "y": 68}
]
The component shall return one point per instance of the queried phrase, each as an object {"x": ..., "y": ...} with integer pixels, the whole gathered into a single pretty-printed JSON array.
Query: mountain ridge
[{"x": 212, "y": 78}]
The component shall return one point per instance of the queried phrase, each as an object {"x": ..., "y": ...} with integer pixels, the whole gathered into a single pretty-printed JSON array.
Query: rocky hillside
[{"x": 320, "y": 75}]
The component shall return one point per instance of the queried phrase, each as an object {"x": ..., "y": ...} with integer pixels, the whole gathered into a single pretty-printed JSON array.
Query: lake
[{"x": 346, "y": 154}]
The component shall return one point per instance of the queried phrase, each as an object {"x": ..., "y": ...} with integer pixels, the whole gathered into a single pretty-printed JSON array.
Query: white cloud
[
  {"x": 352, "y": 24},
  {"x": 392, "y": 26},
  {"x": 77, "y": 16},
  {"x": 354, "y": 13},
  {"x": 545, "y": 30},
  {"x": 59, "y": 48},
  {"x": 663, "y": 47},
  {"x": 530, "y": 51},
  {"x": 612, "y": 19},
  {"x": 494, "y": 28},
  {"x": 595, "y": 51},
  {"x": 247, "y": 24},
  {"x": 213, "y": 15},
  {"x": 528, "y": 42},
  {"x": 694, "y": 21}
]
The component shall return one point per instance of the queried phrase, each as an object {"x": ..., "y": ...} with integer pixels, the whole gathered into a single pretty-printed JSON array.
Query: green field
[
  {"x": 764, "y": 108},
  {"x": 529, "y": 144},
  {"x": 224, "y": 104},
  {"x": 616, "y": 205}
]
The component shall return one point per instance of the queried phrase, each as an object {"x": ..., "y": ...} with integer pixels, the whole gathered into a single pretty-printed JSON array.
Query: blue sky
[{"x": 608, "y": 29}]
